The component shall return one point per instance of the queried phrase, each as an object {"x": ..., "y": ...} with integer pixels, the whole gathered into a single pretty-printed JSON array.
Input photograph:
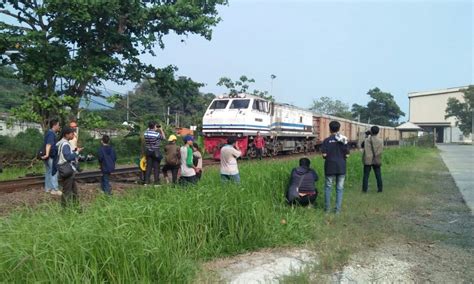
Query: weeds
[{"x": 164, "y": 234}]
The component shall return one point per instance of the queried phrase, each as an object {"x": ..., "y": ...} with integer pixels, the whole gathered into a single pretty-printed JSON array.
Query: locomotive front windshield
[
  {"x": 237, "y": 104},
  {"x": 219, "y": 104}
]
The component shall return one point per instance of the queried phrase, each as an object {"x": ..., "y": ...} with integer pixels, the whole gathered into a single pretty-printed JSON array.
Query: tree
[
  {"x": 462, "y": 111},
  {"x": 68, "y": 47},
  {"x": 381, "y": 110},
  {"x": 12, "y": 91},
  {"x": 329, "y": 106},
  {"x": 151, "y": 99},
  {"x": 242, "y": 86}
]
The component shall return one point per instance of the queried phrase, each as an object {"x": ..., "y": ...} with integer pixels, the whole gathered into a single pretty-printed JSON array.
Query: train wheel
[{"x": 251, "y": 153}]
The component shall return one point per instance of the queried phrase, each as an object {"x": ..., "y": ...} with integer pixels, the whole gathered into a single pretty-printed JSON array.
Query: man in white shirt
[{"x": 229, "y": 155}]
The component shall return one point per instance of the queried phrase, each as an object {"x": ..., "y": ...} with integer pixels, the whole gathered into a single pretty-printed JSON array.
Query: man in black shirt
[{"x": 335, "y": 151}]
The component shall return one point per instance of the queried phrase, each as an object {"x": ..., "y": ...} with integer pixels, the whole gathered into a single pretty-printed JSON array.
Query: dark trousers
[
  {"x": 174, "y": 172},
  {"x": 70, "y": 196},
  {"x": 259, "y": 152},
  {"x": 187, "y": 180},
  {"x": 378, "y": 176},
  {"x": 152, "y": 163},
  {"x": 106, "y": 188},
  {"x": 304, "y": 200}
]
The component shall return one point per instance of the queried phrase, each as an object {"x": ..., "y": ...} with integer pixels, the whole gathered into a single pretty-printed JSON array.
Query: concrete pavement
[{"x": 460, "y": 161}]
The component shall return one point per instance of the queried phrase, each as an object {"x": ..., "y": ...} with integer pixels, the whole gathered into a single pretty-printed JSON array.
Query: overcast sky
[{"x": 339, "y": 49}]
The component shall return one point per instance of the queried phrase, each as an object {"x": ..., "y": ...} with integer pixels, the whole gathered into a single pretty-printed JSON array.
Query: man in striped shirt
[{"x": 153, "y": 137}]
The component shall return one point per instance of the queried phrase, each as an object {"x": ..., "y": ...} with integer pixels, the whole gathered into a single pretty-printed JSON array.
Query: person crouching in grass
[
  {"x": 302, "y": 190},
  {"x": 107, "y": 159}
]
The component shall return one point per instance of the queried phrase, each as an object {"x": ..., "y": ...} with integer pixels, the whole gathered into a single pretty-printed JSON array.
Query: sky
[{"x": 339, "y": 49}]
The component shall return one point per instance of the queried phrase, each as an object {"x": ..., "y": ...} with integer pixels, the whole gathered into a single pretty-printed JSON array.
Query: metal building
[{"x": 428, "y": 110}]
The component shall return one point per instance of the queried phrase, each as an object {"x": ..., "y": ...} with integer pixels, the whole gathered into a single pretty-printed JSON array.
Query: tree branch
[{"x": 19, "y": 18}]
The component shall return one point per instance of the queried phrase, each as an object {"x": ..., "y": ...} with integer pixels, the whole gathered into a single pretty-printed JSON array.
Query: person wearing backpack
[
  {"x": 302, "y": 189},
  {"x": 66, "y": 170},
  {"x": 372, "y": 158},
  {"x": 107, "y": 159},
  {"x": 172, "y": 158}
]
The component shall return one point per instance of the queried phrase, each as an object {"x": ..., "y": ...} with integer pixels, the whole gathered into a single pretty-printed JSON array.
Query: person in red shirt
[{"x": 259, "y": 143}]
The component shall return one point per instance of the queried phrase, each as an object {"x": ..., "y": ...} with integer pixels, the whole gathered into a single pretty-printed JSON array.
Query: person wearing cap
[
  {"x": 229, "y": 154},
  {"x": 171, "y": 159},
  {"x": 188, "y": 170}
]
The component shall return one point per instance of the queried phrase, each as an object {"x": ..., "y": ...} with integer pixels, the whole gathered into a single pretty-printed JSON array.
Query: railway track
[{"x": 125, "y": 174}]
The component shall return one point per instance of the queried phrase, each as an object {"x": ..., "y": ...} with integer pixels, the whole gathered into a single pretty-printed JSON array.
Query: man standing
[
  {"x": 50, "y": 152},
  {"x": 153, "y": 137},
  {"x": 372, "y": 158},
  {"x": 188, "y": 170},
  {"x": 259, "y": 143},
  {"x": 335, "y": 151},
  {"x": 229, "y": 154}
]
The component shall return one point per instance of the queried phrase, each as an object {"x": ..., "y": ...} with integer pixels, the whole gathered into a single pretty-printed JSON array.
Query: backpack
[{"x": 172, "y": 156}]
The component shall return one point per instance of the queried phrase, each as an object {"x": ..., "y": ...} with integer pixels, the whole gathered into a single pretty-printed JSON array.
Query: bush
[{"x": 21, "y": 147}]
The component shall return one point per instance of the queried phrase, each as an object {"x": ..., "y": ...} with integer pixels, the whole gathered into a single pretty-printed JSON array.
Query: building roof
[
  {"x": 436, "y": 92},
  {"x": 408, "y": 126}
]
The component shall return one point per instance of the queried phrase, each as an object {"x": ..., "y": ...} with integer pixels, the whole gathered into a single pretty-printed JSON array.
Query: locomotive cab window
[
  {"x": 219, "y": 104},
  {"x": 239, "y": 104},
  {"x": 260, "y": 105}
]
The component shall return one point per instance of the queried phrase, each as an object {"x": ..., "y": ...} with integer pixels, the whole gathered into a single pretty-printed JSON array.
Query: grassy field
[{"x": 165, "y": 234}]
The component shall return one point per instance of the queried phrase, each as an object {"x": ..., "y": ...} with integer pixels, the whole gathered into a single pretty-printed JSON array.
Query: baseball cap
[
  {"x": 172, "y": 138},
  {"x": 188, "y": 138}
]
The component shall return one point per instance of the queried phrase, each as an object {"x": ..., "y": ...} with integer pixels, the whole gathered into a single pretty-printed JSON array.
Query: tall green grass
[{"x": 163, "y": 234}]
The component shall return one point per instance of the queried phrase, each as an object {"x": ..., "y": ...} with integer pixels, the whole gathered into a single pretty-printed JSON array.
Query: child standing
[
  {"x": 107, "y": 159},
  {"x": 335, "y": 151}
]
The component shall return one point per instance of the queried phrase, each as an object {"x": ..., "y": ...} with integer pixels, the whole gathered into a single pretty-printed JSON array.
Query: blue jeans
[
  {"x": 50, "y": 181},
  {"x": 339, "y": 190},
  {"x": 234, "y": 178},
  {"x": 106, "y": 188}
]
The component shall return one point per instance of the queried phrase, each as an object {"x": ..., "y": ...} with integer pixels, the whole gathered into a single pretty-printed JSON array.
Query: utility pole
[
  {"x": 168, "y": 117},
  {"x": 128, "y": 106},
  {"x": 271, "y": 86}
]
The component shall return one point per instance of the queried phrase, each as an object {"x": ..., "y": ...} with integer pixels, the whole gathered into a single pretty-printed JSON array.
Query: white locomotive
[{"x": 286, "y": 128}]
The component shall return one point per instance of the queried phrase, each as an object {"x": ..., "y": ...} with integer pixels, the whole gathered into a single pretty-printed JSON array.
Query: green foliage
[
  {"x": 381, "y": 110},
  {"x": 21, "y": 147},
  {"x": 242, "y": 86},
  {"x": 162, "y": 235},
  {"x": 462, "y": 111},
  {"x": 66, "y": 48},
  {"x": 151, "y": 99},
  {"x": 12, "y": 92},
  {"x": 326, "y": 105}
]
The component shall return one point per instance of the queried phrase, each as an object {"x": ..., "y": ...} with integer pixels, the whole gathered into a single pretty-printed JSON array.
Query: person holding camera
[
  {"x": 372, "y": 158},
  {"x": 229, "y": 154},
  {"x": 153, "y": 137}
]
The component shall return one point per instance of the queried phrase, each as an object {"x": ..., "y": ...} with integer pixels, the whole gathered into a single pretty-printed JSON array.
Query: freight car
[{"x": 286, "y": 128}]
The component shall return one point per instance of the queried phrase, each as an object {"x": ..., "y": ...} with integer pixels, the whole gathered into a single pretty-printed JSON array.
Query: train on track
[{"x": 286, "y": 128}]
